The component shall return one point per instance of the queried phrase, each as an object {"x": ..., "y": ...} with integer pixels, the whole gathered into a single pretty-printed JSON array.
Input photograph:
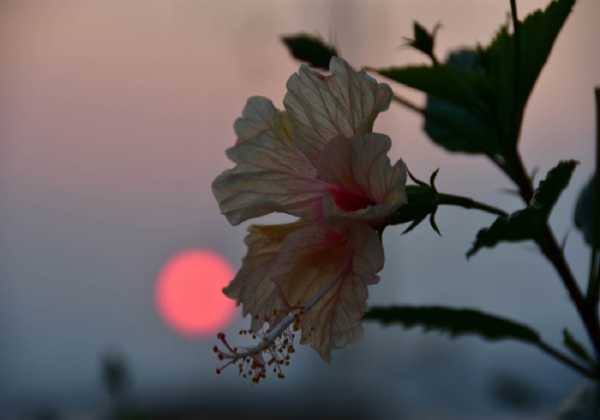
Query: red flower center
[{"x": 349, "y": 200}]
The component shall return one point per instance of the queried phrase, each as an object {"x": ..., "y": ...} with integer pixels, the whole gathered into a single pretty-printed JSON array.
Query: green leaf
[
  {"x": 576, "y": 347},
  {"x": 454, "y": 322},
  {"x": 529, "y": 222},
  {"x": 538, "y": 32},
  {"x": 310, "y": 48}
]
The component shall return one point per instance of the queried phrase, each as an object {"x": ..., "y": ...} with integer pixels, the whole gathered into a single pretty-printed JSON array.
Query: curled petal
[
  {"x": 271, "y": 173},
  {"x": 326, "y": 271},
  {"x": 363, "y": 183},
  {"x": 344, "y": 103}
]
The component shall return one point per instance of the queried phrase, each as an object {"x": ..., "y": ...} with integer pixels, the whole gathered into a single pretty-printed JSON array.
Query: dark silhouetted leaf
[
  {"x": 458, "y": 86},
  {"x": 584, "y": 211},
  {"x": 459, "y": 127},
  {"x": 454, "y": 322},
  {"x": 550, "y": 189},
  {"x": 471, "y": 106},
  {"x": 311, "y": 49},
  {"x": 519, "y": 226},
  {"x": 423, "y": 40},
  {"x": 529, "y": 222},
  {"x": 576, "y": 347},
  {"x": 455, "y": 112},
  {"x": 538, "y": 32}
]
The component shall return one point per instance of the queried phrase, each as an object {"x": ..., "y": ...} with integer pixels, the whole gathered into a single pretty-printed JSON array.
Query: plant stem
[
  {"x": 547, "y": 243},
  {"x": 554, "y": 254},
  {"x": 467, "y": 203},
  {"x": 563, "y": 358},
  {"x": 593, "y": 291}
]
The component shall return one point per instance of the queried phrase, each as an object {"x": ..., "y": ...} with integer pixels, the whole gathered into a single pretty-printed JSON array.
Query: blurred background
[{"x": 114, "y": 117}]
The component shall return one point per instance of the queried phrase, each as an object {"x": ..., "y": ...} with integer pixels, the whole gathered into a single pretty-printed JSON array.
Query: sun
[{"x": 189, "y": 293}]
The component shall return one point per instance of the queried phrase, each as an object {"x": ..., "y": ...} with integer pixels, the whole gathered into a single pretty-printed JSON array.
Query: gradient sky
[{"x": 115, "y": 116}]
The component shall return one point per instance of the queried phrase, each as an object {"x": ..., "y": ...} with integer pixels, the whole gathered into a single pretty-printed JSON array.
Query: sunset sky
[{"x": 115, "y": 116}]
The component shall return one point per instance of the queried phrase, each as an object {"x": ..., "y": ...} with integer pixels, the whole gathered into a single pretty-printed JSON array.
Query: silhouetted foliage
[
  {"x": 530, "y": 222},
  {"x": 423, "y": 40},
  {"x": 471, "y": 104},
  {"x": 310, "y": 48},
  {"x": 454, "y": 322}
]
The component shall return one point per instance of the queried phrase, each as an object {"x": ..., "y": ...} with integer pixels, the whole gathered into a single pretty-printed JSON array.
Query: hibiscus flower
[{"x": 319, "y": 161}]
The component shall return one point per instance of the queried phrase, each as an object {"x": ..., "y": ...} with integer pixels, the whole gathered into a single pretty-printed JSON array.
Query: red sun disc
[{"x": 189, "y": 293}]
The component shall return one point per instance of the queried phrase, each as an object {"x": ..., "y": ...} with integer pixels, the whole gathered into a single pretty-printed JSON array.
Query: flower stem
[{"x": 468, "y": 203}]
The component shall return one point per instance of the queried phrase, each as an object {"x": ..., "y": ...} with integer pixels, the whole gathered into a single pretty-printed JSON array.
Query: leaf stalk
[{"x": 554, "y": 254}]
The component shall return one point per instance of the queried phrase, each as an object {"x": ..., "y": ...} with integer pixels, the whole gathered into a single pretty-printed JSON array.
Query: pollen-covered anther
[{"x": 272, "y": 351}]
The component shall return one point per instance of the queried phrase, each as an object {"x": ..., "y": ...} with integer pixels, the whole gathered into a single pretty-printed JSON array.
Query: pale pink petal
[
  {"x": 271, "y": 174},
  {"x": 344, "y": 103},
  {"x": 327, "y": 270},
  {"x": 252, "y": 286}
]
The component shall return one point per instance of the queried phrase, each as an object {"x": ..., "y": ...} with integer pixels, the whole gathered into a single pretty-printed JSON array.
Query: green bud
[{"x": 422, "y": 201}]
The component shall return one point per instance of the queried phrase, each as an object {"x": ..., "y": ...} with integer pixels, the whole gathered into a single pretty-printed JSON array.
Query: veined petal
[
  {"x": 363, "y": 183},
  {"x": 271, "y": 173},
  {"x": 326, "y": 270},
  {"x": 252, "y": 286},
  {"x": 344, "y": 103}
]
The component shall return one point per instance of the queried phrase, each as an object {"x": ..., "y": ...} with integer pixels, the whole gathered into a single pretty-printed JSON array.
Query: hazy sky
[{"x": 115, "y": 116}]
